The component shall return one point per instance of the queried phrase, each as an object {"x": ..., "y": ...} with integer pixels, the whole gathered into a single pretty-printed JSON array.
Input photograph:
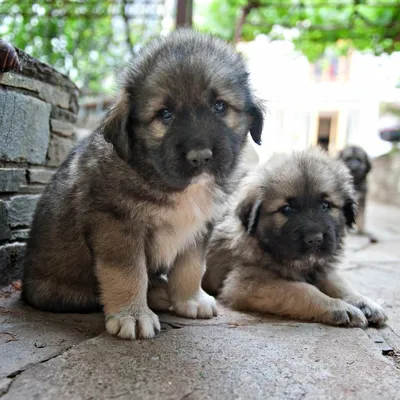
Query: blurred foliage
[
  {"x": 88, "y": 40},
  {"x": 313, "y": 25},
  {"x": 390, "y": 108}
]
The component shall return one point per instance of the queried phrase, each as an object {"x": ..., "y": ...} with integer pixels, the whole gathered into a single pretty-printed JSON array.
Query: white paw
[
  {"x": 374, "y": 313},
  {"x": 201, "y": 305},
  {"x": 141, "y": 325},
  {"x": 344, "y": 314}
]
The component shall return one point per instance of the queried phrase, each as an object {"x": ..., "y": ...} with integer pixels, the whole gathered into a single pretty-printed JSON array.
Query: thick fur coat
[
  {"x": 125, "y": 222},
  {"x": 277, "y": 247}
]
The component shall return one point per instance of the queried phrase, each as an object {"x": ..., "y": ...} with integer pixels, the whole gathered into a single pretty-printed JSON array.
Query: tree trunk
[
  {"x": 184, "y": 13},
  {"x": 245, "y": 11}
]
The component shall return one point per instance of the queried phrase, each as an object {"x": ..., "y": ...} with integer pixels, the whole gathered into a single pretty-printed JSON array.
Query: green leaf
[{"x": 321, "y": 23}]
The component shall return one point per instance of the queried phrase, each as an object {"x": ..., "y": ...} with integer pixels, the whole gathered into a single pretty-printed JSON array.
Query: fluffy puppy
[
  {"x": 136, "y": 200},
  {"x": 357, "y": 161},
  {"x": 276, "y": 249}
]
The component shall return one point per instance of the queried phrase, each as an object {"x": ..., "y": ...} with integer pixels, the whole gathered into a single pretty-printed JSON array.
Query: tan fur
[
  {"x": 257, "y": 290},
  {"x": 179, "y": 225},
  {"x": 280, "y": 220},
  {"x": 157, "y": 132},
  {"x": 272, "y": 206},
  {"x": 233, "y": 120},
  {"x": 184, "y": 280},
  {"x": 121, "y": 290}
]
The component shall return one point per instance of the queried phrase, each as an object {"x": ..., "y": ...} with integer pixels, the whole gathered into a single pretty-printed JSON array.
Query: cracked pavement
[{"x": 233, "y": 356}]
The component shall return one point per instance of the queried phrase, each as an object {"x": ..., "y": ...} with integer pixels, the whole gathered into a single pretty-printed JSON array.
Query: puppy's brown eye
[
  {"x": 326, "y": 205},
  {"x": 286, "y": 210},
  {"x": 165, "y": 115},
  {"x": 219, "y": 106}
]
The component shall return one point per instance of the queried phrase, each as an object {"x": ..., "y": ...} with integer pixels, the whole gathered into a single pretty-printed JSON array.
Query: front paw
[
  {"x": 344, "y": 314},
  {"x": 201, "y": 305},
  {"x": 373, "y": 312},
  {"x": 139, "y": 325}
]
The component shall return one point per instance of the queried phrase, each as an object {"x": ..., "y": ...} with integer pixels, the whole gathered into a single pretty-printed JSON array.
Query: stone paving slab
[
  {"x": 28, "y": 337},
  {"x": 216, "y": 362},
  {"x": 382, "y": 285},
  {"x": 384, "y": 222}
]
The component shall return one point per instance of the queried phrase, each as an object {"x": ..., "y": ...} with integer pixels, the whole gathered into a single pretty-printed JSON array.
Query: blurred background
[{"x": 329, "y": 70}]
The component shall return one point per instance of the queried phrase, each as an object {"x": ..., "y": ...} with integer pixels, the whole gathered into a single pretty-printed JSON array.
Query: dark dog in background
[
  {"x": 277, "y": 248},
  {"x": 359, "y": 164},
  {"x": 136, "y": 200}
]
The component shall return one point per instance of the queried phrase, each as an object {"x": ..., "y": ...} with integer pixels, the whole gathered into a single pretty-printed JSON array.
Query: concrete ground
[{"x": 234, "y": 356}]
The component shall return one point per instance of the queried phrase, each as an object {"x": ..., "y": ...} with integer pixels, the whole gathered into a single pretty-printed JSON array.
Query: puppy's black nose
[
  {"x": 314, "y": 240},
  {"x": 199, "y": 158}
]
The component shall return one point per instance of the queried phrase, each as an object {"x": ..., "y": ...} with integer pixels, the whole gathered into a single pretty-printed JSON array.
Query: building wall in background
[
  {"x": 384, "y": 179},
  {"x": 298, "y": 95}
]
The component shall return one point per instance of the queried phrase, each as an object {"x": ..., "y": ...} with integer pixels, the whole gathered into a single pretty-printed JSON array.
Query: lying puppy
[
  {"x": 137, "y": 199},
  {"x": 357, "y": 160},
  {"x": 277, "y": 248}
]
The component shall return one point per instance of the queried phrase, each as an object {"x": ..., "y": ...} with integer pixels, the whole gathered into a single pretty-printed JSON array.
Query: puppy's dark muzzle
[{"x": 353, "y": 165}]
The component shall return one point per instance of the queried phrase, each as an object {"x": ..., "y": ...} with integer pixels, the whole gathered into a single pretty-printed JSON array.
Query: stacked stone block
[{"x": 38, "y": 110}]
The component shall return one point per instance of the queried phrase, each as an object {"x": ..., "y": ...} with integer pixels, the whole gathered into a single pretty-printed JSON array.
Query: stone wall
[
  {"x": 384, "y": 179},
  {"x": 38, "y": 110}
]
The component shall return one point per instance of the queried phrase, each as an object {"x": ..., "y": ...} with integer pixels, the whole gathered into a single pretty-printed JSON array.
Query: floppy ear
[
  {"x": 114, "y": 126},
  {"x": 350, "y": 211},
  {"x": 248, "y": 212},
  {"x": 256, "y": 113}
]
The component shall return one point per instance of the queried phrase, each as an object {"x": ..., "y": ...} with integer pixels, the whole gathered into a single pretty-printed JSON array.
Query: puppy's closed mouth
[{"x": 202, "y": 178}]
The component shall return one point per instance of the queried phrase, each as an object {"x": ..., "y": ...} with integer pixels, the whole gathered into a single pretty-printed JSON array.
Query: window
[{"x": 324, "y": 131}]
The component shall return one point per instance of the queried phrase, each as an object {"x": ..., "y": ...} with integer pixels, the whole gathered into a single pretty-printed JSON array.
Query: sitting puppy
[
  {"x": 136, "y": 200},
  {"x": 276, "y": 249},
  {"x": 357, "y": 161}
]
